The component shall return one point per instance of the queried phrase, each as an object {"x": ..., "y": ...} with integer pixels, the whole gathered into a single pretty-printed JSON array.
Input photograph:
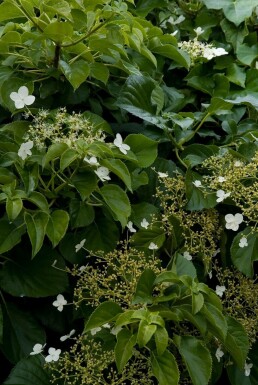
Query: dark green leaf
[
  {"x": 237, "y": 342},
  {"x": 164, "y": 368},
  {"x": 36, "y": 227},
  {"x": 57, "y": 226},
  {"x": 85, "y": 183},
  {"x": 120, "y": 169},
  {"x": 144, "y": 148},
  {"x": 144, "y": 287},
  {"x": 244, "y": 257},
  {"x": 76, "y": 73},
  {"x": 104, "y": 313},
  {"x": 124, "y": 348},
  {"x": 10, "y": 235},
  {"x": 161, "y": 340}
]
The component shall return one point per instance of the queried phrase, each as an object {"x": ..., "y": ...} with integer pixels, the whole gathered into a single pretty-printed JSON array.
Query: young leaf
[
  {"x": 124, "y": 348},
  {"x": 197, "y": 358},
  {"x": 165, "y": 368},
  {"x": 145, "y": 332},
  {"x": 104, "y": 313},
  {"x": 57, "y": 226},
  {"x": 36, "y": 227}
]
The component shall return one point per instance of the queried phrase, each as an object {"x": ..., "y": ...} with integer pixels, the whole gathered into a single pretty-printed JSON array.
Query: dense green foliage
[{"x": 128, "y": 192}]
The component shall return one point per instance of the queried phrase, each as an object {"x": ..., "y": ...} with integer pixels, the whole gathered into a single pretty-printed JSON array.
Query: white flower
[
  {"x": 187, "y": 256},
  {"x": 93, "y": 161},
  {"x": 80, "y": 245},
  {"x": 22, "y": 97},
  {"x": 247, "y": 369},
  {"x": 53, "y": 355},
  {"x": 60, "y": 302},
  {"x": 233, "y": 221},
  {"x": 95, "y": 331},
  {"x": 162, "y": 174},
  {"x": 118, "y": 142},
  {"x": 219, "y": 353},
  {"x": 144, "y": 223},
  {"x": 211, "y": 52},
  {"x": 219, "y": 51},
  {"x": 221, "y": 179},
  {"x": 153, "y": 246},
  {"x": 174, "y": 33},
  {"x": 37, "y": 349},
  {"x": 25, "y": 150},
  {"x": 179, "y": 20},
  {"x": 67, "y": 336},
  {"x": 210, "y": 274},
  {"x": 221, "y": 195},
  {"x": 103, "y": 173},
  {"x": 115, "y": 330},
  {"x": 82, "y": 268},
  {"x": 220, "y": 290},
  {"x": 198, "y": 31},
  {"x": 243, "y": 242},
  {"x": 130, "y": 227},
  {"x": 238, "y": 163},
  {"x": 197, "y": 183},
  {"x": 106, "y": 326}
]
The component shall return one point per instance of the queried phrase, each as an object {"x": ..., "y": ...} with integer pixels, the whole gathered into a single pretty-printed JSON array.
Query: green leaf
[
  {"x": 6, "y": 176},
  {"x": 181, "y": 266},
  {"x": 234, "y": 10},
  {"x": 144, "y": 148},
  {"x": 99, "y": 71},
  {"x": 39, "y": 200},
  {"x": 164, "y": 368},
  {"x": 145, "y": 332},
  {"x": 28, "y": 371},
  {"x": 57, "y": 226},
  {"x": 81, "y": 213},
  {"x": 236, "y": 75},
  {"x": 102, "y": 234},
  {"x": 172, "y": 52},
  {"x": 158, "y": 98},
  {"x": 9, "y": 11},
  {"x": 247, "y": 54},
  {"x": 10, "y": 235},
  {"x": 124, "y": 348},
  {"x": 244, "y": 257},
  {"x": 197, "y": 199},
  {"x": 236, "y": 341},
  {"x": 143, "y": 238},
  {"x": 143, "y": 293},
  {"x": 21, "y": 332},
  {"x": 34, "y": 277},
  {"x": 120, "y": 169},
  {"x": 196, "y": 153},
  {"x": 143, "y": 7},
  {"x": 197, "y": 302},
  {"x": 68, "y": 157},
  {"x": 85, "y": 183},
  {"x": 53, "y": 152},
  {"x": 197, "y": 358},
  {"x": 118, "y": 202},
  {"x": 76, "y": 73},
  {"x": 104, "y": 313},
  {"x": 217, "y": 322},
  {"x": 218, "y": 106},
  {"x": 36, "y": 227},
  {"x": 13, "y": 208},
  {"x": 58, "y": 31},
  {"x": 161, "y": 340}
]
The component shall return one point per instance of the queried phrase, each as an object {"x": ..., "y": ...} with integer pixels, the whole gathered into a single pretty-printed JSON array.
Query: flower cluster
[
  {"x": 60, "y": 127},
  {"x": 197, "y": 50}
]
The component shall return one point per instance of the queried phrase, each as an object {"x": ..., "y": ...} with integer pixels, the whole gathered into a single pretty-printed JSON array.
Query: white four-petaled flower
[
  {"x": 93, "y": 161},
  {"x": 80, "y": 245},
  {"x": 220, "y": 290},
  {"x": 247, "y": 369},
  {"x": 25, "y": 149},
  {"x": 22, "y": 97},
  {"x": 187, "y": 256},
  {"x": 118, "y": 142},
  {"x": 144, "y": 223},
  {"x": 219, "y": 353},
  {"x": 130, "y": 227},
  {"x": 233, "y": 221},
  {"x": 221, "y": 195},
  {"x": 37, "y": 349},
  {"x": 53, "y": 355},
  {"x": 60, "y": 302},
  {"x": 103, "y": 173},
  {"x": 153, "y": 246},
  {"x": 243, "y": 242},
  {"x": 197, "y": 183},
  {"x": 162, "y": 174},
  {"x": 198, "y": 31},
  {"x": 67, "y": 336}
]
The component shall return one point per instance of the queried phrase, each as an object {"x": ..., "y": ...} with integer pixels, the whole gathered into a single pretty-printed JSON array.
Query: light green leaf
[
  {"x": 76, "y": 73},
  {"x": 34, "y": 277},
  {"x": 57, "y": 226},
  {"x": 36, "y": 227},
  {"x": 58, "y": 31},
  {"x": 99, "y": 71},
  {"x": 164, "y": 368},
  {"x": 104, "y": 313},
  {"x": 197, "y": 358},
  {"x": 144, "y": 148},
  {"x": 120, "y": 169},
  {"x": 124, "y": 348},
  {"x": 244, "y": 257},
  {"x": 9, "y": 11},
  {"x": 145, "y": 332},
  {"x": 247, "y": 54},
  {"x": 161, "y": 340},
  {"x": 118, "y": 202},
  {"x": 143, "y": 293},
  {"x": 28, "y": 371},
  {"x": 13, "y": 208},
  {"x": 197, "y": 302}
]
